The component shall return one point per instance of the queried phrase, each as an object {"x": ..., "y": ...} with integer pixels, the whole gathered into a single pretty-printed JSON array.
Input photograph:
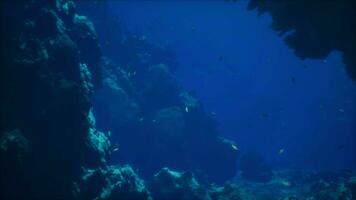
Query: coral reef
[{"x": 315, "y": 28}]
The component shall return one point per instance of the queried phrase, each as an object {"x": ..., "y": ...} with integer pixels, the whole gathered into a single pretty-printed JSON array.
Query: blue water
[{"x": 264, "y": 97}]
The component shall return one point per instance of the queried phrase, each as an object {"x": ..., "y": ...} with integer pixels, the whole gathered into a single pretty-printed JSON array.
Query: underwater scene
[{"x": 178, "y": 100}]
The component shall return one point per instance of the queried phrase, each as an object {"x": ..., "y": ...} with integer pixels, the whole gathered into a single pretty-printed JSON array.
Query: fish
[
  {"x": 234, "y": 147},
  {"x": 281, "y": 151},
  {"x": 114, "y": 148},
  {"x": 186, "y": 109},
  {"x": 292, "y": 78}
]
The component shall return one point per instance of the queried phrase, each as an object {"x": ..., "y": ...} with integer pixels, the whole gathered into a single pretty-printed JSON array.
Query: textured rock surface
[
  {"x": 50, "y": 68},
  {"x": 169, "y": 184},
  {"x": 113, "y": 182}
]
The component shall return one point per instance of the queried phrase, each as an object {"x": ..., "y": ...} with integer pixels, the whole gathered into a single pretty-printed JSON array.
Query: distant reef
[
  {"x": 153, "y": 122},
  {"x": 315, "y": 28},
  {"x": 53, "y": 68}
]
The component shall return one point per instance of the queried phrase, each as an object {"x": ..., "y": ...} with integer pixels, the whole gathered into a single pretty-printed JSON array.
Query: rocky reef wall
[{"x": 49, "y": 70}]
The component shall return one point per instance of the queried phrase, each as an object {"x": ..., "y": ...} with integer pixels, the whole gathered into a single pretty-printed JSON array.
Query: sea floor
[{"x": 296, "y": 184}]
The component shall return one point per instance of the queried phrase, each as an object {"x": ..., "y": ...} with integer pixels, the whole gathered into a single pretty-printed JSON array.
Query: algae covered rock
[
  {"x": 228, "y": 192},
  {"x": 174, "y": 185},
  {"x": 322, "y": 190},
  {"x": 113, "y": 182}
]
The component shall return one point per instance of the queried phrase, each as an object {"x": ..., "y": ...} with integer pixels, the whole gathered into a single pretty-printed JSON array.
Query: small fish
[
  {"x": 186, "y": 109},
  {"x": 285, "y": 183},
  {"x": 234, "y": 147},
  {"x": 141, "y": 119},
  {"x": 281, "y": 151},
  {"x": 341, "y": 110},
  {"x": 292, "y": 78},
  {"x": 114, "y": 147}
]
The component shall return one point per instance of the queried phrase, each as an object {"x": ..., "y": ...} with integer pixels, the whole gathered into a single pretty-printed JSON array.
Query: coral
[
  {"x": 169, "y": 184},
  {"x": 113, "y": 182}
]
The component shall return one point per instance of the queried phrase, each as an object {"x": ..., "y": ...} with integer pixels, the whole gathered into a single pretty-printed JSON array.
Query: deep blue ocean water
[{"x": 300, "y": 114}]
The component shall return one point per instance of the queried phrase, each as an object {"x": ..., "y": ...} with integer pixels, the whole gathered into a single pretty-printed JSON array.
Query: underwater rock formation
[
  {"x": 351, "y": 184},
  {"x": 173, "y": 185},
  {"x": 315, "y": 28},
  {"x": 143, "y": 107},
  {"x": 113, "y": 182},
  {"x": 229, "y": 191},
  {"x": 49, "y": 71},
  {"x": 151, "y": 113}
]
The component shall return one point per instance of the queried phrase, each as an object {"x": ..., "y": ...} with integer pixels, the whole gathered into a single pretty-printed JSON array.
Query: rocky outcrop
[
  {"x": 315, "y": 28},
  {"x": 49, "y": 71},
  {"x": 174, "y": 185},
  {"x": 112, "y": 182},
  {"x": 145, "y": 109}
]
